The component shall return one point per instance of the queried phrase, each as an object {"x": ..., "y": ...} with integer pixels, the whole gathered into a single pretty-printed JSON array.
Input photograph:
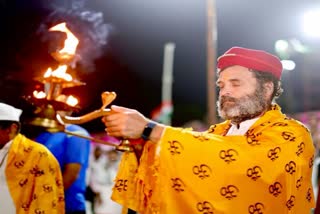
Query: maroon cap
[{"x": 250, "y": 58}]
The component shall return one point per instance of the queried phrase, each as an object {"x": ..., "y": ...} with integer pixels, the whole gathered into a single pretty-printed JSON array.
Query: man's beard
[{"x": 243, "y": 108}]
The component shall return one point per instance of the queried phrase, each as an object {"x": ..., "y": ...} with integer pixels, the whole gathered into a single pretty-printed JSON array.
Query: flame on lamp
[
  {"x": 71, "y": 43},
  {"x": 52, "y": 99},
  {"x": 55, "y": 80},
  {"x": 39, "y": 94},
  {"x": 60, "y": 72},
  {"x": 72, "y": 101}
]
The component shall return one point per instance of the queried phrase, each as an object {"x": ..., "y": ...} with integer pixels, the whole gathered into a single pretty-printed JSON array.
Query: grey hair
[{"x": 264, "y": 77}]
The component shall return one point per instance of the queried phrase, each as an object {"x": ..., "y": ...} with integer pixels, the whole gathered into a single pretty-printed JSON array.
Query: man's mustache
[{"x": 224, "y": 99}]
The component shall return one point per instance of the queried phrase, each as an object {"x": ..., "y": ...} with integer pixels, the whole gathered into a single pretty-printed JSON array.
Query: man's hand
[
  {"x": 129, "y": 123},
  {"x": 124, "y": 122}
]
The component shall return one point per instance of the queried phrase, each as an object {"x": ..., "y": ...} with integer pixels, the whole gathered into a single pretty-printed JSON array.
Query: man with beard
[{"x": 257, "y": 161}]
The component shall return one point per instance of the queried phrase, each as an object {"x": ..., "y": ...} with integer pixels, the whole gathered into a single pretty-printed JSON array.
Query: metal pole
[
  {"x": 91, "y": 138},
  {"x": 167, "y": 79},
  {"x": 211, "y": 61},
  {"x": 124, "y": 146}
]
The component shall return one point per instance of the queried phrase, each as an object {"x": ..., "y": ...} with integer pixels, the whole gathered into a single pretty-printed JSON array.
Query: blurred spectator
[
  {"x": 314, "y": 125},
  {"x": 97, "y": 160},
  {"x": 103, "y": 169},
  {"x": 312, "y": 121},
  {"x": 196, "y": 125}
]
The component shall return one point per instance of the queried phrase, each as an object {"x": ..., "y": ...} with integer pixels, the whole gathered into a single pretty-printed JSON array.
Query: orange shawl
[
  {"x": 266, "y": 171},
  {"x": 34, "y": 178}
]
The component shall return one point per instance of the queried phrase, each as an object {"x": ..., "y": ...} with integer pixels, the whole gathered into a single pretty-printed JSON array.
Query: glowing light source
[
  {"x": 55, "y": 80},
  {"x": 72, "y": 101},
  {"x": 281, "y": 45},
  {"x": 288, "y": 65},
  {"x": 311, "y": 21},
  {"x": 71, "y": 43},
  {"x": 60, "y": 72},
  {"x": 39, "y": 94}
]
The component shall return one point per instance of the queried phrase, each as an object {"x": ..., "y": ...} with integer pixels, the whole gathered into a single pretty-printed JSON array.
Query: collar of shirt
[
  {"x": 3, "y": 152},
  {"x": 242, "y": 128}
]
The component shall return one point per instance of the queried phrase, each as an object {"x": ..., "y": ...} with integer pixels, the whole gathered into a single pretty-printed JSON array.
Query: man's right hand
[{"x": 129, "y": 123}]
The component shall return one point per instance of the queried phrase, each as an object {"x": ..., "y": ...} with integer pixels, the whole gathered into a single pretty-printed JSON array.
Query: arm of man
[
  {"x": 70, "y": 174},
  {"x": 76, "y": 156}
]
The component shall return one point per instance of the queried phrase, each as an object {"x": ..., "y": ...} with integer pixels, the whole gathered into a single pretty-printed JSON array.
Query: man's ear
[
  {"x": 13, "y": 129},
  {"x": 269, "y": 87}
]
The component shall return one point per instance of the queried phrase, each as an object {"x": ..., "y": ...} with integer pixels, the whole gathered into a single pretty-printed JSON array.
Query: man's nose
[{"x": 225, "y": 91}]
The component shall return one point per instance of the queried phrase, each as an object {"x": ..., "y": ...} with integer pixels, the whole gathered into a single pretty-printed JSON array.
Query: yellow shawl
[
  {"x": 34, "y": 178},
  {"x": 266, "y": 171}
]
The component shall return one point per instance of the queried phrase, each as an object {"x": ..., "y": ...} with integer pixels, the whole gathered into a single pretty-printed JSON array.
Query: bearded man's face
[
  {"x": 240, "y": 96},
  {"x": 243, "y": 108}
]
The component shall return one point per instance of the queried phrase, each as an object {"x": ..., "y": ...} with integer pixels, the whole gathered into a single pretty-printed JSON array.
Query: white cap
[{"x": 8, "y": 112}]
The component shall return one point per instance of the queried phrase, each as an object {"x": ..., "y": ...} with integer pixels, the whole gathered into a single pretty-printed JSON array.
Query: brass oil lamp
[{"x": 52, "y": 100}]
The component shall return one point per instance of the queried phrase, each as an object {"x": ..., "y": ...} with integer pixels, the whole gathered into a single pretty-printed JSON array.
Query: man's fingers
[
  {"x": 113, "y": 118},
  {"x": 115, "y": 132},
  {"x": 111, "y": 133},
  {"x": 124, "y": 122},
  {"x": 120, "y": 109},
  {"x": 114, "y": 122}
]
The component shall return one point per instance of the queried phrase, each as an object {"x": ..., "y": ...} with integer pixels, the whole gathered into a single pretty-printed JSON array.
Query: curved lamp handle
[{"x": 107, "y": 98}]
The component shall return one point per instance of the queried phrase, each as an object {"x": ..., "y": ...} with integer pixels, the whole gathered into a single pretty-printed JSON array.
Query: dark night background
[{"x": 122, "y": 49}]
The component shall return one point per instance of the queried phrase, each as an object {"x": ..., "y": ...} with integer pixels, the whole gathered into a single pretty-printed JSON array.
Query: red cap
[{"x": 250, "y": 58}]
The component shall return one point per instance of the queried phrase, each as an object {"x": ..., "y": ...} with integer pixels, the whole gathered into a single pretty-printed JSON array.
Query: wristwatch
[{"x": 147, "y": 130}]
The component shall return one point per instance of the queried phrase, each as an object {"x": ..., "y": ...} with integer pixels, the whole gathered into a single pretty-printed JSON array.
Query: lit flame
[
  {"x": 60, "y": 72},
  {"x": 72, "y": 101},
  {"x": 39, "y": 94},
  {"x": 71, "y": 43}
]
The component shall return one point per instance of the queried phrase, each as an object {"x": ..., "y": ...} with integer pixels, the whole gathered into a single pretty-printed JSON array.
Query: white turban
[{"x": 8, "y": 112}]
